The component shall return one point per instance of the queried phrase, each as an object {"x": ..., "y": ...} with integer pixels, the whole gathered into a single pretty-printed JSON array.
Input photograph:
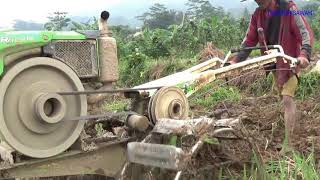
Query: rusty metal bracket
[{"x": 107, "y": 160}]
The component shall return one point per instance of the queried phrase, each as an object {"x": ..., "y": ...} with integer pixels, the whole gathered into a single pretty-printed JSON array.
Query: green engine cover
[{"x": 15, "y": 41}]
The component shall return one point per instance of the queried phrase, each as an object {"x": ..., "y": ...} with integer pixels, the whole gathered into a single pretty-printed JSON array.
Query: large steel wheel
[
  {"x": 168, "y": 102},
  {"x": 31, "y": 113}
]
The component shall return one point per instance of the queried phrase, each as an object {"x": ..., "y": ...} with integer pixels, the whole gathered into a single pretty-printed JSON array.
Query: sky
[{"x": 39, "y": 10}]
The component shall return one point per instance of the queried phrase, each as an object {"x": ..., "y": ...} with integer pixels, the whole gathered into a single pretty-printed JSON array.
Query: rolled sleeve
[{"x": 303, "y": 32}]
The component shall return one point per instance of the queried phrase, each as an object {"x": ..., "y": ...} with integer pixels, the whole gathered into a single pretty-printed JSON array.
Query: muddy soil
[
  {"x": 262, "y": 119},
  {"x": 263, "y": 124},
  {"x": 263, "y": 131}
]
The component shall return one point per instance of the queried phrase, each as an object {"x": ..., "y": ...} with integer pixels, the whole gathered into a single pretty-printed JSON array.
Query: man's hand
[
  {"x": 232, "y": 60},
  {"x": 303, "y": 62}
]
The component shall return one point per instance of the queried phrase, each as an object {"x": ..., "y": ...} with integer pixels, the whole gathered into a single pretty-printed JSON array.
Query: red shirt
[{"x": 295, "y": 36}]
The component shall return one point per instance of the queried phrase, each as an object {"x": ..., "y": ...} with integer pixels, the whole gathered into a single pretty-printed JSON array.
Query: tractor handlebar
[{"x": 233, "y": 50}]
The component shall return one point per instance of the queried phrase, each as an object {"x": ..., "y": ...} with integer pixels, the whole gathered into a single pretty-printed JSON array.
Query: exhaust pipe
[{"x": 108, "y": 59}]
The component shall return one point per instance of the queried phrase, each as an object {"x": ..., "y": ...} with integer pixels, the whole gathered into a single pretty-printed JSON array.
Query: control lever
[
  {"x": 293, "y": 62},
  {"x": 261, "y": 35},
  {"x": 233, "y": 50},
  {"x": 271, "y": 66}
]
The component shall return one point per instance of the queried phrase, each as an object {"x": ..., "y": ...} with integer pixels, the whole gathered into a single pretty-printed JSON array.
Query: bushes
[
  {"x": 309, "y": 85},
  {"x": 315, "y": 24},
  {"x": 176, "y": 42},
  {"x": 132, "y": 68}
]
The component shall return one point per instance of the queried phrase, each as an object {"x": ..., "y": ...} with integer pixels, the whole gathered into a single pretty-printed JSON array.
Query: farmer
[{"x": 293, "y": 33}]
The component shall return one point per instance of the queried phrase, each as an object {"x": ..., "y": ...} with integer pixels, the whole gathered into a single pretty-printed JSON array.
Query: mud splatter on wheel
[
  {"x": 32, "y": 114},
  {"x": 168, "y": 102}
]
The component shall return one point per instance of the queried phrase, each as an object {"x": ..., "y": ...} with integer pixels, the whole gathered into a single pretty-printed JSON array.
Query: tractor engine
[{"x": 34, "y": 67}]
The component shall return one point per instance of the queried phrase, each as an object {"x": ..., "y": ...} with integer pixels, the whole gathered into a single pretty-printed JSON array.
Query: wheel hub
[
  {"x": 50, "y": 108},
  {"x": 175, "y": 109},
  {"x": 168, "y": 102}
]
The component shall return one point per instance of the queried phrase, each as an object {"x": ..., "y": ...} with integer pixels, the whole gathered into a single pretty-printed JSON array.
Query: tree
[
  {"x": 199, "y": 9},
  {"x": 159, "y": 16},
  {"x": 57, "y": 21}
]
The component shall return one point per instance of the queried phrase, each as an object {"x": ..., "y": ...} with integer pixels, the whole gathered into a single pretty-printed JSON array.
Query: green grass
[
  {"x": 116, "y": 104},
  {"x": 209, "y": 95},
  {"x": 316, "y": 46},
  {"x": 100, "y": 131},
  {"x": 309, "y": 85},
  {"x": 295, "y": 166},
  {"x": 255, "y": 53}
]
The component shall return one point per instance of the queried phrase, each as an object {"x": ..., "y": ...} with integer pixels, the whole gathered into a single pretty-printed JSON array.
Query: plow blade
[
  {"x": 171, "y": 157},
  {"x": 192, "y": 126},
  {"x": 157, "y": 155}
]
